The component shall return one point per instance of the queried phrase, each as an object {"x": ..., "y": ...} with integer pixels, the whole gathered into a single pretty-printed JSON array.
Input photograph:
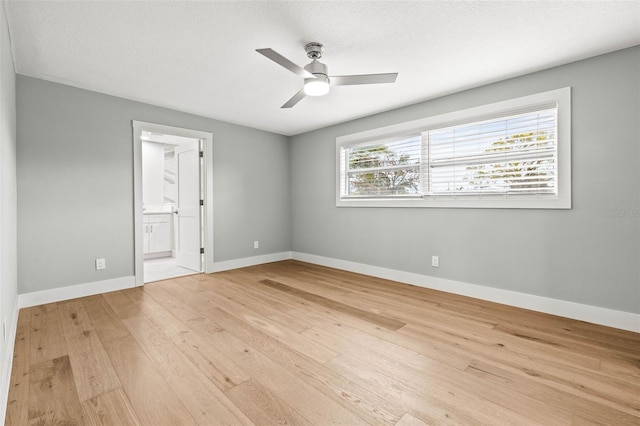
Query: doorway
[{"x": 173, "y": 217}]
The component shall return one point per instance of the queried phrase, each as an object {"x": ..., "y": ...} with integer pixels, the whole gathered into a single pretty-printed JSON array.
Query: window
[
  {"x": 384, "y": 169},
  {"x": 512, "y": 154}
]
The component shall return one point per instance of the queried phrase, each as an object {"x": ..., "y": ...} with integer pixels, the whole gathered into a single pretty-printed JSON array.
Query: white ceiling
[{"x": 199, "y": 57}]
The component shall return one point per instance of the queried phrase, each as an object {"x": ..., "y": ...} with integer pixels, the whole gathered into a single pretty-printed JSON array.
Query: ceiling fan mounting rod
[{"x": 314, "y": 50}]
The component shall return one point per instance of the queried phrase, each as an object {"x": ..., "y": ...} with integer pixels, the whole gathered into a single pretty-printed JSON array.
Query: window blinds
[
  {"x": 385, "y": 169},
  {"x": 510, "y": 155}
]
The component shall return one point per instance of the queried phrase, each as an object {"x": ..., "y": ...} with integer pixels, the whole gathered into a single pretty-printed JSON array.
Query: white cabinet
[{"x": 157, "y": 233}]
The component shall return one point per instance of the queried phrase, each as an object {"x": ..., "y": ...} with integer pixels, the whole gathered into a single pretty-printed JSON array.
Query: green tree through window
[
  {"x": 514, "y": 176},
  {"x": 379, "y": 170}
]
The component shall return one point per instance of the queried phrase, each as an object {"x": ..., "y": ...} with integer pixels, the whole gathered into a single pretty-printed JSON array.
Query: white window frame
[{"x": 561, "y": 200}]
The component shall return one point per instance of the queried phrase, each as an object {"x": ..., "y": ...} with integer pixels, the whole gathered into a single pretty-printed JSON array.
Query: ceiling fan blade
[
  {"x": 282, "y": 61},
  {"x": 296, "y": 98},
  {"x": 347, "y": 80}
]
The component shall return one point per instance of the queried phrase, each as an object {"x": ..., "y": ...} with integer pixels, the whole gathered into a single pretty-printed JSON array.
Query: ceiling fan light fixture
[
  {"x": 316, "y": 74},
  {"x": 318, "y": 86}
]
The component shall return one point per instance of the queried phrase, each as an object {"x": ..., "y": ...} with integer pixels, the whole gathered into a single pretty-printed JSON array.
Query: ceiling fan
[{"x": 316, "y": 74}]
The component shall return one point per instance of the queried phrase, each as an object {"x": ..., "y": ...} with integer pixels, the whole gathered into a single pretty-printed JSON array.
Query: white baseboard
[
  {"x": 593, "y": 314},
  {"x": 250, "y": 261},
  {"x": 59, "y": 294},
  {"x": 5, "y": 371}
]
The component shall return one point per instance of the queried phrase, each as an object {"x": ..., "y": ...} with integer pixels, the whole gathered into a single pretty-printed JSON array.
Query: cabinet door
[
  {"x": 145, "y": 237},
  {"x": 160, "y": 237}
]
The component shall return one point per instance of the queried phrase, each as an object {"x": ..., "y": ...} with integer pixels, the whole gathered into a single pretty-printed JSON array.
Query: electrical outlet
[
  {"x": 100, "y": 264},
  {"x": 435, "y": 261},
  {"x": 256, "y": 244}
]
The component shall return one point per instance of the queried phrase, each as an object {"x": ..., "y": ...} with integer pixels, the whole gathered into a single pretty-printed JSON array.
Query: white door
[{"x": 188, "y": 206}]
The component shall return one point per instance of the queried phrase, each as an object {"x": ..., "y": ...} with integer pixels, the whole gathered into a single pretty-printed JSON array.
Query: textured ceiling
[{"x": 199, "y": 57}]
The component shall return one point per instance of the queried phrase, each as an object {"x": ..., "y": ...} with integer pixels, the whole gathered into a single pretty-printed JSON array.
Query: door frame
[{"x": 207, "y": 183}]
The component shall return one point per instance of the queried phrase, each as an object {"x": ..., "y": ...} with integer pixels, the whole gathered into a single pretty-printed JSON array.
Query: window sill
[{"x": 531, "y": 202}]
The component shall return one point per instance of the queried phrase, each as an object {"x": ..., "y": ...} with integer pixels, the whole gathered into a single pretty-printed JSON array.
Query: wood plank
[
  {"x": 111, "y": 408},
  {"x": 253, "y": 288},
  {"x": 591, "y": 384},
  {"x": 503, "y": 344},
  {"x": 321, "y": 316},
  {"x": 620, "y": 369},
  {"x": 92, "y": 369},
  {"x": 152, "y": 399},
  {"x": 578, "y": 405},
  {"x": 52, "y": 393},
  {"x": 433, "y": 408},
  {"x": 207, "y": 300},
  {"x": 308, "y": 401},
  {"x": 174, "y": 301},
  {"x": 461, "y": 384},
  {"x": 382, "y": 321},
  {"x": 575, "y": 343},
  {"x": 248, "y": 300},
  {"x": 409, "y": 389},
  {"x": 201, "y": 397},
  {"x": 429, "y": 348},
  {"x": 303, "y": 279},
  {"x": 342, "y": 338},
  {"x": 390, "y": 299},
  {"x": 135, "y": 294},
  {"x": 46, "y": 332},
  {"x": 122, "y": 305},
  {"x": 17, "y": 401},
  {"x": 103, "y": 318},
  {"x": 367, "y": 403},
  {"x": 263, "y": 407},
  {"x": 201, "y": 348},
  {"x": 409, "y": 420},
  {"x": 412, "y": 310}
]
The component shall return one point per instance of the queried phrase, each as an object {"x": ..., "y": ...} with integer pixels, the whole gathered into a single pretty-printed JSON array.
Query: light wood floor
[{"x": 292, "y": 343}]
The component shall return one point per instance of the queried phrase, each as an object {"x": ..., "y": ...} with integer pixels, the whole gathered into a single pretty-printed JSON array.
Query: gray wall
[
  {"x": 580, "y": 255},
  {"x": 75, "y": 193},
  {"x": 75, "y": 184},
  {"x": 8, "y": 274}
]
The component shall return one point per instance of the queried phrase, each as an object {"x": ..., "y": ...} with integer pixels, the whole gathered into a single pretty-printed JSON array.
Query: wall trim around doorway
[{"x": 207, "y": 137}]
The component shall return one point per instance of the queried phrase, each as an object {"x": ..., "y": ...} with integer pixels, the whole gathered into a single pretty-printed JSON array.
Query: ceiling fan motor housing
[
  {"x": 316, "y": 67},
  {"x": 319, "y": 85}
]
